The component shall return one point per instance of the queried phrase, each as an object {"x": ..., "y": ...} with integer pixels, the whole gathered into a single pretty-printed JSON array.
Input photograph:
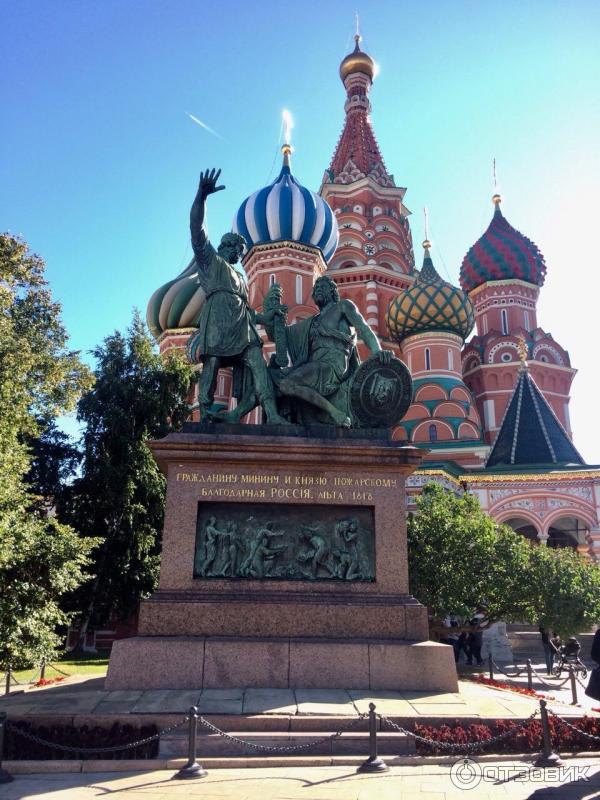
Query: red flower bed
[
  {"x": 527, "y": 739},
  {"x": 503, "y": 685},
  {"x": 48, "y": 681}
]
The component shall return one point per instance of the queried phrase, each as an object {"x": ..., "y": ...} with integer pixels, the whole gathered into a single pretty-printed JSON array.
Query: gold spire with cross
[
  {"x": 497, "y": 198},
  {"x": 523, "y": 352}
]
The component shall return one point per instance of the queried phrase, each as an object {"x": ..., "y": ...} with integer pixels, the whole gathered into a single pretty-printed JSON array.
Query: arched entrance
[
  {"x": 524, "y": 527},
  {"x": 568, "y": 532}
]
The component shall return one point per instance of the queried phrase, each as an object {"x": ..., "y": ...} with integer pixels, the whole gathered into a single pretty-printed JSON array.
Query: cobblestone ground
[{"x": 580, "y": 778}]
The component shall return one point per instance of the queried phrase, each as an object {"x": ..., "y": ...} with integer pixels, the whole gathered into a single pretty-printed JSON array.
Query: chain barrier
[
  {"x": 510, "y": 677},
  {"x": 549, "y": 685},
  {"x": 11, "y": 677},
  {"x": 580, "y": 682},
  {"x": 461, "y": 747},
  {"x": 574, "y": 727},
  {"x": 537, "y": 675},
  {"x": 516, "y": 675},
  {"x": 56, "y": 669},
  {"x": 282, "y": 749},
  {"x": 64, "y": 748}
]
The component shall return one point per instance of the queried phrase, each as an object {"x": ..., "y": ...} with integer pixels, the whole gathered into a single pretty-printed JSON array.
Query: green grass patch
[{"x": 91, "y": 664}]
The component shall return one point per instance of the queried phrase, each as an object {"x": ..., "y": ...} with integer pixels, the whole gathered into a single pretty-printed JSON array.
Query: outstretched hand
[{"x": 208, "y": 182}]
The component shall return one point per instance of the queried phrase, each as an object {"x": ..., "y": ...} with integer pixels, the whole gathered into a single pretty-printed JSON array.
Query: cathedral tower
[
  {"x": 503, "y": 273},
  {"x": 430, "y": 321},
  {"x": 374, "y": 259}
]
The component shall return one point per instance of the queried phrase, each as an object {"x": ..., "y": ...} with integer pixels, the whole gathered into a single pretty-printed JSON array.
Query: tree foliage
[
  {"x": 460, "y": 558},
  {"x": 137, "y": 395},
  {"x": 565, "y": 589},
  {"x": 40, "y": 559}
]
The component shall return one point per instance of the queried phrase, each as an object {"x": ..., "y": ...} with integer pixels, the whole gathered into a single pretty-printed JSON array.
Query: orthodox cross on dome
[
  {"x": 288, "y": 124},
  {"x": 497, "y": 198}
]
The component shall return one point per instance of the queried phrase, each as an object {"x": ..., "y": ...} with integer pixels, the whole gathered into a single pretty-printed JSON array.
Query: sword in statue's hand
[{"x": 276, "y": 312}]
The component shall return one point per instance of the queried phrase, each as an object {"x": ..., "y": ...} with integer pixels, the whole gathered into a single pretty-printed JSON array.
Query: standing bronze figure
[{"x": 227, "y": 335}]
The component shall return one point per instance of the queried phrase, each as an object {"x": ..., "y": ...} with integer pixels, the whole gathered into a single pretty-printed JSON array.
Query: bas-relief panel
[{"x": 285, "y": 542}]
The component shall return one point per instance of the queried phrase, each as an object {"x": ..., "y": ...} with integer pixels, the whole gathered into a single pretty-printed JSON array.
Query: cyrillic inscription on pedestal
[{"x": 285, "y": 542}]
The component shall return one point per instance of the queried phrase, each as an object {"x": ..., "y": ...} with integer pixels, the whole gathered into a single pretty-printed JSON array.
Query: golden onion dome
[
  {"x": 357, "y": 61},
  {"x": 431, "y": 304}
]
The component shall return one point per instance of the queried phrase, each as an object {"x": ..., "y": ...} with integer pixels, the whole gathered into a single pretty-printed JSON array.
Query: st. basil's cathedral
[{"x": 492, "y": 412}]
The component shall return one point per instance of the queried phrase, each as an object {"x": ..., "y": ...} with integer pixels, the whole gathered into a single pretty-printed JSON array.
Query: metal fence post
[
  {"x": 547, "y": 758},
  {"x": 5, "y": 777},
  {"x": 192, "y": 769},
  {"x": 573, "y": 679},
  {"x": 491, "y": 666},
  {"x": 373, "y": 762},
  {"x": 529, "y": 675}
]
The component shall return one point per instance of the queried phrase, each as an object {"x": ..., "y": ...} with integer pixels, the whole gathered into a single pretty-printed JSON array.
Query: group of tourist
[{"x": 466, "y": 638}]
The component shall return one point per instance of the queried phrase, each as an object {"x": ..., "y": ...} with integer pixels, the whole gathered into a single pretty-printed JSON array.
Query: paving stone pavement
[
  {"x": 78, "y": 697},
  {"x": 505, "y": 780}
]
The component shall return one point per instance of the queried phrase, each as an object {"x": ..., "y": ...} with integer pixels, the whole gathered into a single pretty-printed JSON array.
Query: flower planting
[{"x": 523, "y": 739}]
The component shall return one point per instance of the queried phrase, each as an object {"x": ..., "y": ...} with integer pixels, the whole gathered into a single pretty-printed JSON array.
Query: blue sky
[{"x": 99, "y": 162}]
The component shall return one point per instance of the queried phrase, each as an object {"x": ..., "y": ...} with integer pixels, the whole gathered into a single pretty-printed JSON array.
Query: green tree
[
  {"x": 137, "y": 395},
  {"x": 54, "y": 461},
  {"x": 565, "y": 590},
  {"x": 459, "y": 558},
  {"x": 40, "y": 559}
]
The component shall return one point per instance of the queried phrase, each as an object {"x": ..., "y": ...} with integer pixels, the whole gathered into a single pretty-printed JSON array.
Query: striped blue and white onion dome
[{"x": 287, "y": 211}]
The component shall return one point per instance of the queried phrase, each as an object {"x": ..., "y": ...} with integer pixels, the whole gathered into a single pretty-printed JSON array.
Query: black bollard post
[
  {"x": 5, "y": 777},
  {"x": 491, "y": 666},
  {"x": 529, "y": 675},
  {"x": 8, "y": 680},
  {"x": 373, "y": 762},
  {"x": 573, "y": 679},
  {"x": 192, "y": 769},
  {"x": 547, "y": 758}
]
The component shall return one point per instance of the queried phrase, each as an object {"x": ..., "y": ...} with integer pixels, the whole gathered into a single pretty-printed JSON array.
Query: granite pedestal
[{"x": 219, "y": 632}]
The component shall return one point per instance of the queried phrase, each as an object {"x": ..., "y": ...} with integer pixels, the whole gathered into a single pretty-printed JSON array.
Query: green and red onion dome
[
  {"x": 502, "y": 254},
  {"x": 431, "y": 304}
]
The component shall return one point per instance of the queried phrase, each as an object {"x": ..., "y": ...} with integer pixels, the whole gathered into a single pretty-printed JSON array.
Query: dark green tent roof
[{"x": 530, "y": 432}]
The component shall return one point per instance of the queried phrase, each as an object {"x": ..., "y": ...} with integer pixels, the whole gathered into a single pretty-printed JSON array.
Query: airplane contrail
[{"x": 204, "y": 125}]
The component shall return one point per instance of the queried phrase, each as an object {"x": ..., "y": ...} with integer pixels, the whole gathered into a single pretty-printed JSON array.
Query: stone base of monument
[
  {"x": 284, "y": 564},
  {"x": 156, "y": 662}
]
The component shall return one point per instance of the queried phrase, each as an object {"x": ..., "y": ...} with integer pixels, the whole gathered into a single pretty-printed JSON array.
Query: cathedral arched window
[
  {"x": 504, "y": 318},
  {"x": 271, "y": 279},
  {"x": 433, "y": 433},
  {"x": 298, "y": 288},
  {"x": 427, "y": 359}
]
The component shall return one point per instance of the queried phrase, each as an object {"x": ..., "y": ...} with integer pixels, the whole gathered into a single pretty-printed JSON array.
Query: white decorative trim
[
  {"x": 499, "y": 346},
  {"x": 560, "y": 360}
]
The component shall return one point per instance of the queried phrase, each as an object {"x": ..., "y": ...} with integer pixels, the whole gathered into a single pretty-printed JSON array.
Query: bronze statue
[
  {"x": 227, "y": 334},
  {"x": 323, "y": 352},
  {"x": 325, "y": 383}
]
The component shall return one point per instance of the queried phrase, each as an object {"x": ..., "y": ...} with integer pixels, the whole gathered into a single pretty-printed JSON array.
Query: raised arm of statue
[
  {"x": 200, "y": 243},
  {"x": 364, "y": 331}
]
